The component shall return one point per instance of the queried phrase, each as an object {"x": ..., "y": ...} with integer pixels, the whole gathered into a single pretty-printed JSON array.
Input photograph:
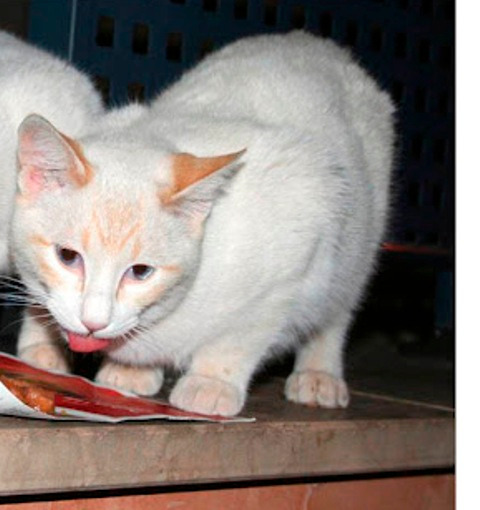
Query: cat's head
[{"x": 107, "y": 231}]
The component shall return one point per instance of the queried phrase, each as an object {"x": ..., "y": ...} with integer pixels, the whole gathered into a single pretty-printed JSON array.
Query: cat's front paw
[
  {"x": 46, "y": 356},
  {"x": 207, "y": 395},
  {"x": 316, "y": 388},
  {"x": 141, "y": 380}
]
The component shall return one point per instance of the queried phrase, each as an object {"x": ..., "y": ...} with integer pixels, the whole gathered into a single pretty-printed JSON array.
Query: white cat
[
  {"x": 34, "y": 81},
  {"x": 241, "y": 212}
]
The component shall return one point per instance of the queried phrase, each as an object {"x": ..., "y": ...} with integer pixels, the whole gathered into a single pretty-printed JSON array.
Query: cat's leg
[
  {"x": 39, "y": 343},
  {"x": 317, "y": 378},
  {"x": 141, "y": 380},
  {"x": 218, "y": 377}
]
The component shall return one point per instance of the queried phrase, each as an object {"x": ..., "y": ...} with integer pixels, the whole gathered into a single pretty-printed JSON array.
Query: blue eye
[
  {"x": 69, "y": 258},
  {"x": 140, "y": 272}
]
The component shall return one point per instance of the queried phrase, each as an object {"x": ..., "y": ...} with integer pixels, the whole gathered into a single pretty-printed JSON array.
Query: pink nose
[{"x": 94, "y": 326}]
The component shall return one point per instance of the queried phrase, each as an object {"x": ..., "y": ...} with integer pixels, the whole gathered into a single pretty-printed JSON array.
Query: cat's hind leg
[
  {"x": 39, "y": 343},
  {"x": 317, "y": 378}
]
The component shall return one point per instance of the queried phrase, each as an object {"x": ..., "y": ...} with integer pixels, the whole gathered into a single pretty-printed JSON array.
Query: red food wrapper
[{"x": 31, "y": 392}]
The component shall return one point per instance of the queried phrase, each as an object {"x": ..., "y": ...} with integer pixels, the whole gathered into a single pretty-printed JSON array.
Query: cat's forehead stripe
[{"x": 115, "y": 226}]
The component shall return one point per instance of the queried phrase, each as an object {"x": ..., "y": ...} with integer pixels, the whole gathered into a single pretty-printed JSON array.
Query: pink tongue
[{"x": 81, "y": 343}]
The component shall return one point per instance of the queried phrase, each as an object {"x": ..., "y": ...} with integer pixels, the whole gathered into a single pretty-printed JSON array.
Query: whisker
[
  {"x": 47, "y": 320},
  {"x": 10, "y": 325},
  {"x": 22, "y": 303},
  {"x": 12, "y": 282},
  {"x": 18, "y": 297},
  {"x": 12, "y": 285},
  {"x": 8, "y": 278},
  {"x": 149, "y": 342}
]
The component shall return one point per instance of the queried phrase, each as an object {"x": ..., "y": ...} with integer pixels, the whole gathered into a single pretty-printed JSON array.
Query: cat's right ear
[
  {"x": 195, "y": 183},
  {"x": 48, "y": 160}
]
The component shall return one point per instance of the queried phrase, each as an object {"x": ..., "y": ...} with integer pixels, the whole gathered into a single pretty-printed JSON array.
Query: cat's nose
[
  {"x": 96, "y": 311},
  {"x": 94, "y": 326}
]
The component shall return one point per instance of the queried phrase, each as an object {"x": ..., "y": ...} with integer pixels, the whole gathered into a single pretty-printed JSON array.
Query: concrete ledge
[{"x": 373, "y": 435}]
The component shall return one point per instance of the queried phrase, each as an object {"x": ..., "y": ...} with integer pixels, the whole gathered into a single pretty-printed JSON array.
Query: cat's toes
[
  {"x": 317, "y": 388},
  {"x": 207, "y": 395},
  {"x": 46, "y": 356},
  {"x": 140, "y": 380}
]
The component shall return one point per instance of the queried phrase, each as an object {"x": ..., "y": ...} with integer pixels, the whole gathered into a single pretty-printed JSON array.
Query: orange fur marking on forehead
[
  {"x": 79, "y": 178},
  {"x": 122, "y": 243},
  {"x": 117, "y": 225}
]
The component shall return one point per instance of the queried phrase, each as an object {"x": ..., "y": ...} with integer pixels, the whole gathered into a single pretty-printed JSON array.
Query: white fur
[
  {"x": 294, "y": 226},
  {"x": 34, "y": 81}
]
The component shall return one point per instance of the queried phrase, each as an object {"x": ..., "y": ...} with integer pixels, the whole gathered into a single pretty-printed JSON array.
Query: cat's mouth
[{"x": 86, "y": 343}]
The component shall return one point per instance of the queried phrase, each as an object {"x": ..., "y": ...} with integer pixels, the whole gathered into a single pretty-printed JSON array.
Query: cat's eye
[
  {"x": 139, "y": 272},
  {"x": 69, "y": 257}
]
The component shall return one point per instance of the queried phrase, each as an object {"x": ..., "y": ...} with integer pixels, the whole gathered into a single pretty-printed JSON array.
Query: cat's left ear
[
  {"x": 195, "y": 182},
  {"x": 48, "y": 160}
]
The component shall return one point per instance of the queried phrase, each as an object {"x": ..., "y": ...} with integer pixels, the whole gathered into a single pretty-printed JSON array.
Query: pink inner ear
[
  {"x": 32, "y": 181},
  {"x": 48, "y": 159}
]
